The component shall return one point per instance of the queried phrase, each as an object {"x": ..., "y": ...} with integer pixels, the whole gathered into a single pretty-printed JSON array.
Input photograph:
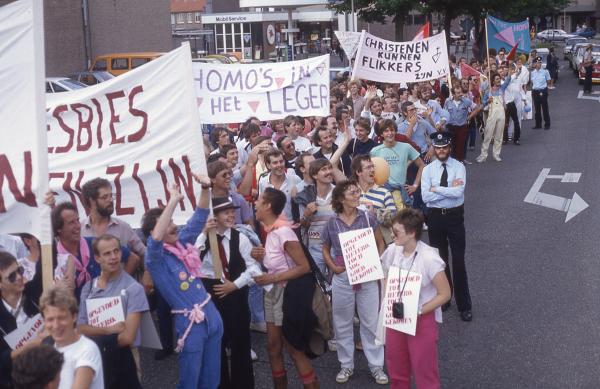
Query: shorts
[{"x": 274, "y": 305}]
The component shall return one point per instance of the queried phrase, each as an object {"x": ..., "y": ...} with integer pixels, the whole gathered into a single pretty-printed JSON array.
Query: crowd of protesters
[{"x": 275, "y": 199}]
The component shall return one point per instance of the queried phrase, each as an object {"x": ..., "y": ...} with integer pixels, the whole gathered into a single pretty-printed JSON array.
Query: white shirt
[
  {"x": 302, "y": 144},
  {"x": 21, "y": 316},
  {"x": 252, "y": 268},
  {"x": 427, "y": 263},
  {"x": 83, "y": 353}
]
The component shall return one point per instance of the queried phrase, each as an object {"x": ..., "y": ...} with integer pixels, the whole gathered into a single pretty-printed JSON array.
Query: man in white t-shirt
[
  {"x": 83, "y": 363},
  {"x": 279, "y": 178}
]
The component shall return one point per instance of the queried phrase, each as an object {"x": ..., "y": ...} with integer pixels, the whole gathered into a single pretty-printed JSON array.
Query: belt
[
  {"x": 540, "y": 90},
  {"x": 444, "y": 211}
]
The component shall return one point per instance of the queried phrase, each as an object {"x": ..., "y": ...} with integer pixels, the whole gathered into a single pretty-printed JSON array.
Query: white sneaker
[
  {"x": 332, "y": 345},
  {"x": 425, "y": 228},
  {"x": 379, "y": 375},
  {"x": 480, "y": 160},
  {"x": 259, "y": 327},
  {"x": 253, "y": 356},
  {"x": 344, "y": 375},
  {"x": 465, "y": 162},
  {"x": 498, "y": 159}
]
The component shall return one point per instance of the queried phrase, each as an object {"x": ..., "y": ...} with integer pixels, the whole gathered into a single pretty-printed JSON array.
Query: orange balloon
[{"x": 382, "y": 170}]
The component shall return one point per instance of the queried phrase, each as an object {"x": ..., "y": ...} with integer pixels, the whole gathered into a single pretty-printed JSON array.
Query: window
[
  {"x": 100, "y": 65},
  {"x": 190, "y": 17},
  {"x": 48, "y": 88},
  {"x": 197, "y": 17},
  {"x": 172, "y": 18},
  {"x": 180, "y": 18},
  {"x": 58, "y": 88},
  {"x": 135, "y": 62},
  {"x": 119, "y": 64}
]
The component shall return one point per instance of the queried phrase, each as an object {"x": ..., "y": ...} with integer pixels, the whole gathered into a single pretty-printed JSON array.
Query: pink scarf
[
  {"x": 80, "y": 267},
  {"x": 280, "y": 222},
  {"x": 189, "y": 255}
]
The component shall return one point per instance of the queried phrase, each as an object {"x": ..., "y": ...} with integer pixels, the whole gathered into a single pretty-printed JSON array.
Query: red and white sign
[
  {"x": 269, "y": 91},
  {"x": 26, "y": 332},
  {"x": 23, "y": 160},
  {"x": 410, "y": 299},
  {"x": 361, "y": 257},
  {"x": 141, "y": 131},
  {"x": 104, "y": 312}
]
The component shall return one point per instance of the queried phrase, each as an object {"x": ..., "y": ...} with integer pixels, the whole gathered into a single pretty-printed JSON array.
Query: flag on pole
[
  {"x": 505, "y": 34},
  {"x": 422, "y": 33},
  {"x": 513, "y": 53},
  {"x": 467, "y": 71}
]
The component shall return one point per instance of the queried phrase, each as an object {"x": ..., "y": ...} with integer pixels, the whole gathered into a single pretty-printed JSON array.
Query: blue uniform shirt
[
  {"x": 180, "y": 290},
  {"x": 539, "y": 78},
  {"x": 443, "y": 197},
  {"x": 458, "y": 114},
  {"x": 420, "y": 133}
]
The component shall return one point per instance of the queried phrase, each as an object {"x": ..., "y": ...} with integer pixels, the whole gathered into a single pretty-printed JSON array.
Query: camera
[{"x": 398, "y": 310}]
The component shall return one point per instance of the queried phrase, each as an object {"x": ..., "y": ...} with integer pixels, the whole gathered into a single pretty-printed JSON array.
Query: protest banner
[
  {"x": 400, "y": 62},
  {"x": 505, "y": 34},
  {"x": 410, "y": 299},
  {"x": 233, "y": 93},
  {"x": 25, "y": 332},
  {"x": 140, "y": 130},
  {"x": 361, "y": 257},
  {"x": 349, "y": 41},
  {"x": 149, "y": 335},
  {"x": 104, "y": 311},
  {"x": 23, "y": 160}
]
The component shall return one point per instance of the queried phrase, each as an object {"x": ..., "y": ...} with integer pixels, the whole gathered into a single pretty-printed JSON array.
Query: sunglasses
[{"x": 12, "y": 277}]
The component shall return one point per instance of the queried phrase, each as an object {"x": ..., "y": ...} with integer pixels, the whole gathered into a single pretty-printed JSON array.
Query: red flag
[
  {"x": 422, "y": 33},
  {"x": 466, "y": 71},
  {"x": 513, "y": 53}
]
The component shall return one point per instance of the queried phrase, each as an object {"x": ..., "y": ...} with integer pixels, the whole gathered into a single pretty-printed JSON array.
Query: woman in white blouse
[{"x": 406, "y": 354}]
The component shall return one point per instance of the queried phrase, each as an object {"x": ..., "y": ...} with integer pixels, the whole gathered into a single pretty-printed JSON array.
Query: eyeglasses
[
  {"x": 227, "y": 175},
  {"x": 12, "y": 277}
]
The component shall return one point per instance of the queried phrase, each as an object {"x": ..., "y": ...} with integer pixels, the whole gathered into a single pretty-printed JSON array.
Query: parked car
[
  {"x": 595, "y": 72},
  {"x": 578, "y": 56},
  {"x": 119, "y": 63},
  {"x": 569, "y": 43},
  {"x": 554, "y": 35},
  {"x": 570, "y": 56},
  {"x": 62, "y": 84},
  {"x": 206, "y": 60},
  {"x": 91, "y": 78},
  {"x": 588, "y": 32},
  {"x": 222, "y": 58}
]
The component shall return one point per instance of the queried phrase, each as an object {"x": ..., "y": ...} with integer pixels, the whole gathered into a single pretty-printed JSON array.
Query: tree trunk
[{"x": 399, "y": 26}]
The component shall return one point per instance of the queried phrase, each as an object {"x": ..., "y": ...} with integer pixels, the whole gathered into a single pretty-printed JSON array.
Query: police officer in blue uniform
[
  {"x": 443, "y": 189},
  {"x": 174, "y": 265},
  {"x": 539, "y": 93}
]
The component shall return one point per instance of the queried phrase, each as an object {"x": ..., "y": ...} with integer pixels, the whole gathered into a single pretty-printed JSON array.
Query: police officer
[
  {"x": 442, "y": 187},
  {"x": 540, "y": 79}
]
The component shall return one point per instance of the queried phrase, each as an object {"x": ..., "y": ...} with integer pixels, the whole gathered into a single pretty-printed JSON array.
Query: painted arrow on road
[{"x": 571, "y": 206}]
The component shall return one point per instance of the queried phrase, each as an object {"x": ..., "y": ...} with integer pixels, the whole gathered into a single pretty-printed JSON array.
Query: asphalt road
[{"x": 534, "y": 279}]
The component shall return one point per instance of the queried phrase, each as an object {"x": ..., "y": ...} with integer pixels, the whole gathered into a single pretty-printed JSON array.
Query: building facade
[{"x": 113, "y": 26}]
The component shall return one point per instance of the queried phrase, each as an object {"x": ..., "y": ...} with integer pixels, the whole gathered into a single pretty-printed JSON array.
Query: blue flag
[{"x": 507, "y": 35}]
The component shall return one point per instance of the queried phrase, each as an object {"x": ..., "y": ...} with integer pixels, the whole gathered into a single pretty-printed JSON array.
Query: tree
[{"x": 377, "y": 10}]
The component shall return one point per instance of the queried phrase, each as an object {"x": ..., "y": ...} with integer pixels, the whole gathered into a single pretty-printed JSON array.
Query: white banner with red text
[
  {"x": 23, "y": 161},
  {"x": 235, "y": 92},
  {"x": 140, "y": 131},
  {"x": 399, "y": 62}
]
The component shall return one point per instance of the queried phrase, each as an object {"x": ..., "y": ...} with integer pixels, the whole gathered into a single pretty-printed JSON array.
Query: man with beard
[
  {"x": 443, "y": 189},
  {"x": 430, "y": 109},
  {"x": 98, "y": 196}
]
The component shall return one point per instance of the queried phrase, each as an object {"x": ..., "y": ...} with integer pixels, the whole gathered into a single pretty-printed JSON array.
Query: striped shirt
[{"x": 379, "y": 196}]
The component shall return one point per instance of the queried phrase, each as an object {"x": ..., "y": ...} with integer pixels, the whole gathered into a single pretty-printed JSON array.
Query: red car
[{"x": 595, "y": 73}]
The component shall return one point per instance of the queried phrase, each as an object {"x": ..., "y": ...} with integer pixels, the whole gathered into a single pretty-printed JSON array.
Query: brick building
[{"x": 114, "y": 26}]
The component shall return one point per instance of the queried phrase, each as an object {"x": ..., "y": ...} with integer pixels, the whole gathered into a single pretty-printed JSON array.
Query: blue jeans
[{"x": 255, "y": 301}]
